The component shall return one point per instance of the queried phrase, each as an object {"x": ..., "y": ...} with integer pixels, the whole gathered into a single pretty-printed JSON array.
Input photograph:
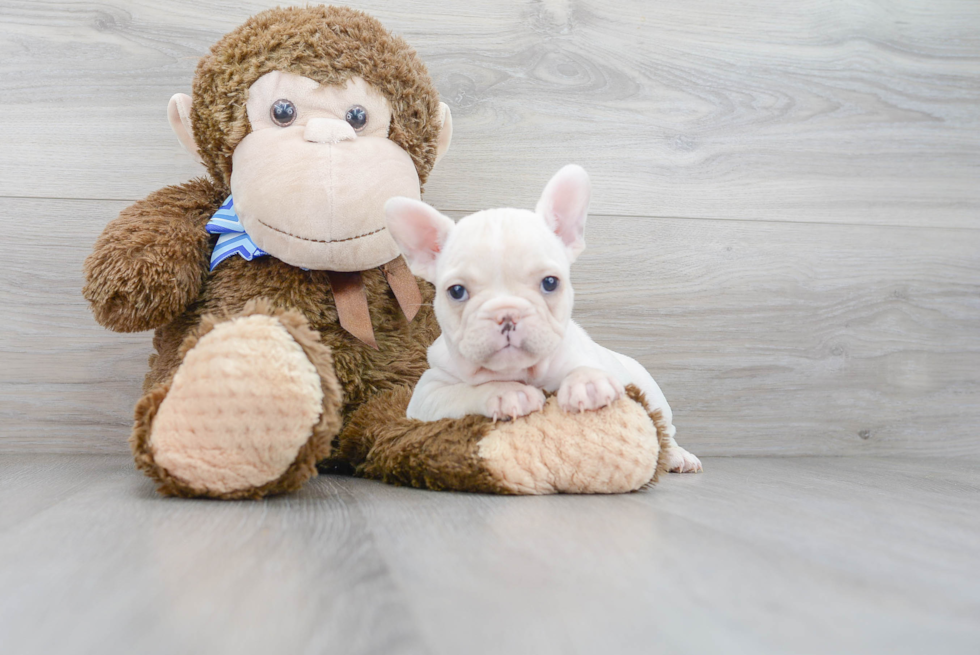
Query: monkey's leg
[
  {"x": 612, "y": 450},
  {"x": 252, "y": 407}
]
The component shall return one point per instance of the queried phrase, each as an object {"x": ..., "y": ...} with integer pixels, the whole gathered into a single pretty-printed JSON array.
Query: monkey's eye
[
  {"x": 549, "y": 284},
  {"x": 283, "y": 112},
  {"x": 356, "y": 117},
  {"x": 458, "y": 292}
]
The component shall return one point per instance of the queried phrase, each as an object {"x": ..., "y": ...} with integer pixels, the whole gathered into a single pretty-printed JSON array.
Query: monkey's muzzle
[{"x": 314, "y": 197}]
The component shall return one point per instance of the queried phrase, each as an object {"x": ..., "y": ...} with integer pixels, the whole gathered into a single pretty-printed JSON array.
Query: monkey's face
[{"x": 311, "y": 179}]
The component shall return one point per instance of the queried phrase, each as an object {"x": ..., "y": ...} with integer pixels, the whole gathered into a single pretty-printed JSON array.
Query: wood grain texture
[
  {"x": 767, "y": 338},
  {"x": 776, "y": 555},
  {"x": 66, "y": 382},
  {"x": 822, "y": 110},
  {"x": 795, "y": 339}
]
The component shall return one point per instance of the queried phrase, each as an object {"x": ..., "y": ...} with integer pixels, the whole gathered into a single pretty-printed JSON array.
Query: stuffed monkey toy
[{"x": 289, "y": 332}]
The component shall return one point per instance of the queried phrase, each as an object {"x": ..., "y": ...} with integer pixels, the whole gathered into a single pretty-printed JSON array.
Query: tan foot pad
[
  {"x": 612, "y": 450},
  {"x": 243, "y": 402}
]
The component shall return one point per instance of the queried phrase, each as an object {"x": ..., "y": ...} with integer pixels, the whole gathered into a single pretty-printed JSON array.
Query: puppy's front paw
[
  {"x": 588, "y": 388},
  {"x": 513, "y": 399},
  {"x": 681, "y": 461}
]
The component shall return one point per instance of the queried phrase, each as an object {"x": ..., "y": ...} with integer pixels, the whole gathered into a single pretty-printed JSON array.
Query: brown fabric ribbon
[
  {"x": 404, "y": 286},
  {"x": 352, "y": 303}
]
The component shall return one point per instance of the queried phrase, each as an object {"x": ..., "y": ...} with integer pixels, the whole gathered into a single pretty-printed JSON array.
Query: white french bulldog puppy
[{"x": 504, "y": 303}]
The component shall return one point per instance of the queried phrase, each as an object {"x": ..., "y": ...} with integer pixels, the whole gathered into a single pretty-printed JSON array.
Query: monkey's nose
[{"x": 328, "y": 130}]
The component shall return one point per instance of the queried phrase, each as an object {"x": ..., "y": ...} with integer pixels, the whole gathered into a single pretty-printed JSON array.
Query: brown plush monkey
[{"x": 288, "y": 330}]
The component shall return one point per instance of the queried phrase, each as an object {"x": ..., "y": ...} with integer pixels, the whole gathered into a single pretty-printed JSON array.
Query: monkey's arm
[{"x": 150, "y": 262}]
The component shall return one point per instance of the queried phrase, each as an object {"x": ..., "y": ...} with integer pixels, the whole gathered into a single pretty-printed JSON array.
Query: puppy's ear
[
  {"x": 564, "y": 206},
  {"x": 420, "y": 232}
]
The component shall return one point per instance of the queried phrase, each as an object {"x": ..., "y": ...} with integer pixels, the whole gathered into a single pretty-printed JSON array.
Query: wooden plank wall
[{"x": 784, "y": 228}]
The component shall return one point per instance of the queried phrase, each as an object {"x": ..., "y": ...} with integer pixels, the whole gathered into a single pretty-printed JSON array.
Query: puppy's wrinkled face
[{"x": 503, "y": 294}]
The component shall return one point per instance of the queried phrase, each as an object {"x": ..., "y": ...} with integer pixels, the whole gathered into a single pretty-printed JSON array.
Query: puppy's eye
[
  {"x": 357, "y": 117},
  {"x": 549, "y": 284},
  {"x": 458, "y": 292},
  {"x": 283, "y": 112}
]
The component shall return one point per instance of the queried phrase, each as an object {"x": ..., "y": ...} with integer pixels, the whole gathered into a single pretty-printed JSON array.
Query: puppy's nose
[
  {"x": 328, "y": 130},
  {"x": 507, "y": 322}
]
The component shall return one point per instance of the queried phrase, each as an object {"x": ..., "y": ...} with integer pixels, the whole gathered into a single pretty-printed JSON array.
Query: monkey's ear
[
  {"x": 564, "y": 205},
  {"x": 445, "y": 131},
  {"x": 179, "y": 115},
  {"x": 420, "y": 232}
]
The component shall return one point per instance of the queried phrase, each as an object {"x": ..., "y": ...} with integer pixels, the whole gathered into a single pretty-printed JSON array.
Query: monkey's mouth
[{"x": 296, "y": 236}]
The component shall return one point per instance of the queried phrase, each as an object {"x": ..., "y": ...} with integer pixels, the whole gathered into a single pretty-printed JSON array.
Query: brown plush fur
[
  {"x": 150, "y": 263},
  {"x": 150, "y": 269},
  {"x": 300, "y": 40}
]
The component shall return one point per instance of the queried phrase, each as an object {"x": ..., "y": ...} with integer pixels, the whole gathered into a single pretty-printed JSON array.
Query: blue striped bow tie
[{"x": 233, "y": 239}]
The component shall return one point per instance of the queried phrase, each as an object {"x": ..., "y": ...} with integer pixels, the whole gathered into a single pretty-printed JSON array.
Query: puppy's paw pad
[
  {"x": 515, "y": 401},
  {"x": 681, "y": 461},
  {"x": 587, "y": 389}
]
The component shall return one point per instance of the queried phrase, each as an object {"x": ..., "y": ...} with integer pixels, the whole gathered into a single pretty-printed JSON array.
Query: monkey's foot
[
  {"x": 614, "y": 449},
  {"x": 249, "y": 412}
]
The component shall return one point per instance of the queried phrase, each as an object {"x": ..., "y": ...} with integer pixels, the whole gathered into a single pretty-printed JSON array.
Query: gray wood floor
[{"x": 758, "y": 555}]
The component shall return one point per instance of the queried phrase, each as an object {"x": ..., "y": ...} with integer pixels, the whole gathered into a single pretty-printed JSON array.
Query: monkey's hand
[{"x": 151, "y": 261}]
